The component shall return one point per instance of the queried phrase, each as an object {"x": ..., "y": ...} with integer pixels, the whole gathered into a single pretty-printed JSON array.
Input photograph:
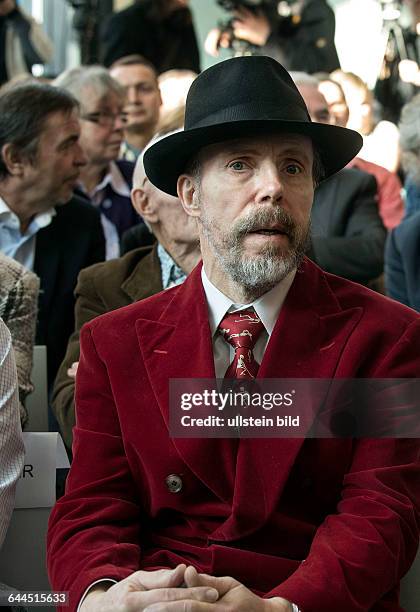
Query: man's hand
[
  {"x": 6, "y": 7},
  {"x": 72, "y": 371},
  {"x": 251, "y": 26},
  {"x": 142, "y": 589},
  {"x": 216, "y": 39},
  {"x": 409, "y": 72},
  {"x": 232, "y": 596}
]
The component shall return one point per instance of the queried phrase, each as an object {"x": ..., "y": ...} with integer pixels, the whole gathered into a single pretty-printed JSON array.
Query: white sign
[{"x": 44, "y": 453}]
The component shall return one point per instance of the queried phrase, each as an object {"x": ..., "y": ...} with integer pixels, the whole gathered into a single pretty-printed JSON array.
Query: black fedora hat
[{"x": 244, "y": 96}]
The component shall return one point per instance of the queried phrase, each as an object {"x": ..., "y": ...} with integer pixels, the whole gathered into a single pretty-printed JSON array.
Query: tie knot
[{"x": 241, "y": 329}]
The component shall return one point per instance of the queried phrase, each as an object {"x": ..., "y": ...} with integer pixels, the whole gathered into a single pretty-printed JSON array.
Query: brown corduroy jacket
[{"x": 100, "y": 288}]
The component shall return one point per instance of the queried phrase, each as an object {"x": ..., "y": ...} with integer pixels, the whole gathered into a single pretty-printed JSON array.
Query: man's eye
[
  {"x": 237, "y": 165},
  {"x": 293, "y": 169}
]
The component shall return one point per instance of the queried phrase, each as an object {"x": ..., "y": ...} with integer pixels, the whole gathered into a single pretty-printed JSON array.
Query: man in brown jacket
[{"x": 135, "y": 276}]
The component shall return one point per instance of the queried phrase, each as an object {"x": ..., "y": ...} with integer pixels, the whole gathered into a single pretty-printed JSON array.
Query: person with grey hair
[
  {"x": 402, "y": 253},
  {"x": 105, "y": 180},
  {"x": 139, "y": 274}
]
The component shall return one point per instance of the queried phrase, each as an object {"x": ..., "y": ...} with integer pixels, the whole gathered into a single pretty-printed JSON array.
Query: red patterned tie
[{"x": 241, "y": 330}]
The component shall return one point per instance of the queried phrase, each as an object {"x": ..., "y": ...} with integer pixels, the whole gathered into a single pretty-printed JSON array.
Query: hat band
[{"x": 252, "y": 111}]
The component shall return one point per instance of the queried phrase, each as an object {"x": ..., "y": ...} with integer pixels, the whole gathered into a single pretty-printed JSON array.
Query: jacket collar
[{"x": 145, "y": 279}]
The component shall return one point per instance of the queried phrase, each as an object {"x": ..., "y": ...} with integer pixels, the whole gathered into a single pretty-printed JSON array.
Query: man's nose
[
  {"x": 120, "y": 121},
  {"x": 270, "y": 187},
  {"x": 80, "y": 158},
  {"x": 133, "y": 95}
]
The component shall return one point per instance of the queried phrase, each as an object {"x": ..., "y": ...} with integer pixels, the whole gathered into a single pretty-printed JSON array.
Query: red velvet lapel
[
  {"x": 307, "y": 341},
  {"x": 179, "y": 345}
]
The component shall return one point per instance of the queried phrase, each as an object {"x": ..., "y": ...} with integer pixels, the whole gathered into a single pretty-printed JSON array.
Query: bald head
[{"x": 317, "y": 105}]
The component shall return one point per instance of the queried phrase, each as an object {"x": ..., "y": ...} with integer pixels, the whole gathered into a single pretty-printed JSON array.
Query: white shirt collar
[
  {"x": 39, "y": 221},
  {"x": 267, "y": 306},
  {"x": 115, "y": 179}
]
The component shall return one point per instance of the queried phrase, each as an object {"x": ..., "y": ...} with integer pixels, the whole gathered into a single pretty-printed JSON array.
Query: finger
[
  {"x": 164, "y": 597},
  {"x": 223, "y": 584},
  {"x": 192, "y": 577},
  {"x": 157, "y": 579},
  {"x": 184, "y": 606}
]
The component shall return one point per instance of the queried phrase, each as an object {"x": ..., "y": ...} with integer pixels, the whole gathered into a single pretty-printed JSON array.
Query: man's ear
[
  {"x": 143, "y": 205},
  {"x": 189, "y": 195},
  {"x": 12, "y": 159}
]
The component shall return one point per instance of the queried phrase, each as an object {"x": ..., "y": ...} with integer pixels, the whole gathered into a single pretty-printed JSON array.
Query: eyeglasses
[{"x": 104, "y": 118}]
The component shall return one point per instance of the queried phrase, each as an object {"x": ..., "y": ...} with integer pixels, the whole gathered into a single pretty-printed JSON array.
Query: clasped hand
[{"x": 179, "y": 590}]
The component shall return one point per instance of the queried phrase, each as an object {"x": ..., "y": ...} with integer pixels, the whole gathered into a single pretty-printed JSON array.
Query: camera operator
[
  {"x": 399, "y": 79},
  {"x": 298, "y": 34},
  {"x": 23, "y": 43},
  {"x": 162, "y": 31}
]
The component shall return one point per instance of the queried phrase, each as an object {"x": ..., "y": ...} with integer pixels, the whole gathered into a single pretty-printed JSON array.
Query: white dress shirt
[
  {"x": 12, "y": 451},
  {"x": 13, "y": 243},
  {"x": 267, "y": 307}
]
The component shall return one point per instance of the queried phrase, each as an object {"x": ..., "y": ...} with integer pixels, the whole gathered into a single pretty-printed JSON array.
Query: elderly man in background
[
  {"x": 143, "y": 101},
  {"x": 40, "y": 165},
  {"x": 104, "y": 180},
  {"x": 139, "y": 274}
]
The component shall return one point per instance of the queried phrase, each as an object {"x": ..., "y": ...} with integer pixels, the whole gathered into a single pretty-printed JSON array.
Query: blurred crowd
[{"x": 82, "y": 229}]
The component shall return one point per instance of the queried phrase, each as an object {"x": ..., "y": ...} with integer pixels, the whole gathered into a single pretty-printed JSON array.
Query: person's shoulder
[
  {"x": 375, "y": 306},
  {"x": 356, "y": 176},
  {"x": 12, "y": 272},
  {"x": 117, "y": 269},
  {"x": 409, "y": 227},
  {"x": 77, "y": 209}
]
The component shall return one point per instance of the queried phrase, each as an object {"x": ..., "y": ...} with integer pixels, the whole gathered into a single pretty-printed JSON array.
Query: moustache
[{"x": 266, "y": 218}]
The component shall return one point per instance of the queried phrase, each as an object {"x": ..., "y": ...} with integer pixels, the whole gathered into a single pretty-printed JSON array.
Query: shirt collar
[
  {"x": 39, "y": 221},
  {"x": 267, "y": 306},
  {"x": 171, "y": 272},
  {"x": 114, "y": 178}
]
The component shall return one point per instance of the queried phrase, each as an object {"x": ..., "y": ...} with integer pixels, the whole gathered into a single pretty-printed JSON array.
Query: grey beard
[{"x": 260, "y": 273}]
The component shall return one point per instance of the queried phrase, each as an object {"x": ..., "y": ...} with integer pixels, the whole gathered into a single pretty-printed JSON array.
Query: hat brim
[{"x": 166, "y": 160}]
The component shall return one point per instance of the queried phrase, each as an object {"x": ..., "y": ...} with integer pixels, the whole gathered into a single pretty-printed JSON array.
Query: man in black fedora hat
[{"x": 155, "y": 520}]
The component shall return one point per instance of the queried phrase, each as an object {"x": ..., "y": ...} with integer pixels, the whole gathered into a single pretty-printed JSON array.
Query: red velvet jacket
[{"x": 328, "y": 524}]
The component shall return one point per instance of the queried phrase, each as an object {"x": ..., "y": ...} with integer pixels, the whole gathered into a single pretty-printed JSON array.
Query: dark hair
[
  {"x": 24, "y": 109},
  {"x": 133, "y": 60}
]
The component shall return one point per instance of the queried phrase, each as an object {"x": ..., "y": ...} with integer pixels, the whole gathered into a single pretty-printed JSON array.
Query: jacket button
[{"x": 174, "y": 483}]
